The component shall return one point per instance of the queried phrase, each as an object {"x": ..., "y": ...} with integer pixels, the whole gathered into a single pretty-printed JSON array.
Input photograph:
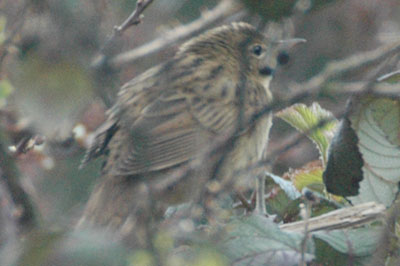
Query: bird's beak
[{"x": 289, "y": 43}]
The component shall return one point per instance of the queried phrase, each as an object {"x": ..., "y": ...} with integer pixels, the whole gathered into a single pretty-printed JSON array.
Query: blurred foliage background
[{"x": 48, "y": 87}]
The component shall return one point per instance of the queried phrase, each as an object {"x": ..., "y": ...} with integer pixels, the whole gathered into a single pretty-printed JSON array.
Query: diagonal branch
[
  {"x": 342, "y": 218},
  {"x": 223, "y": 9},
  {"x": 339, "y": 67},
  {"x": 135, "y": 17}
]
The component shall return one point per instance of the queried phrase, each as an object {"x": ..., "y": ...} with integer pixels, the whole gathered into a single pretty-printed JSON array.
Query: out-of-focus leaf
[
  {"x": 39, "y": 247},
  {"x": 6, "y": 89},
  {"x": 346, "y": 245},
  {"x": 9, "y": 240},
  {"x": 317, "y": 123},
  {"x": 87, "y": 248},
  {"x": 27, "y": 217},
  {"x": 392, "y": 77},
  {"x": 271, "y": 10},
  {"x": 276, "y": 10},
  {"x": 142, "y": 258},
  {"x": 50, "y": 94},
  {"x": 163, "y": 243},
  {"x": 287, "y": 186},
  {"x": 343, "y": 171},
  {"x": 256, "y": 240},
  {"x": 210, "y": 257},
  {"x": 203, "y": 254},
  {"x": 3, "y": 21}
]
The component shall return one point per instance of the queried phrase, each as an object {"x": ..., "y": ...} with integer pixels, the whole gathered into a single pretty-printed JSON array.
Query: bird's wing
[
  {"x": 171, "y": 130},
  {"x": 102, "y": 137},
  {"x": 131, "y": 96},
  {"x": 162, "y": 120}
]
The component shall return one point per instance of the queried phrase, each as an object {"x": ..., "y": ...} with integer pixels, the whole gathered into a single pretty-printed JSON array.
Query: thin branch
[
  {"x": 341, "y": 218},
  {"x": 135, "y": 18},
  {"x": 10, "y": 244},
  {"x": 306, "y": 219},
  {"x": 16, "y": 28},
  {"x": 26, "y": 144},
  {"x": 339, "y": 67},
  {"x": 225, "y": 8},
  {"x": 27, "y": 218},
  {"x": 351, "y": 88},
  {"x": 243, "y": 202}
]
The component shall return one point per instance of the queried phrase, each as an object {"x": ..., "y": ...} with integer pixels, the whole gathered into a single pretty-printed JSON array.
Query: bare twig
[
  {"x": 389, "y": 76},
  {"x": 244, "y": 202},
  {"x": 27, "y": 218},
  {"x": 342, "y": 218},
  {"x": 16, "y": 27},
  {"x": 9, "y": 244},
  {"x": 27, "y": 144},
  {"x": 135, "y": 17},
  {"x": 306, "y": 219},
  {"x": 225, "y": 8},
  {"x": 336, "y": 68},
  {"x": 350, "y": 88}
]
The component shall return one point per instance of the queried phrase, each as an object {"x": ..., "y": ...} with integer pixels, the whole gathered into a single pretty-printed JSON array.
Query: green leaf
[
  {"x": 364, "y": 159},
  {"x": 343, "y": 173},
  {"x": 84, "y": 247},
  {"x": 361, "y": 242},
  {"x": 256, "y": 240},
  {"x": 377, "y": 125},
  {"x": 317, "y": 123},
  {"x": 142, "y": 257},
  {"x": 287, "y": 186},
  {"x": 3, "y": 22},
  {"x": 309, "y": 176},
  {"x": 386, "y": 114},
  {"x": 283, "y": 207},
  {"x": 39, "y": 247},
  {"x": 51, "y": 95},
  {"x": 196, "y": 255},
  {"x": 209, "y": 257},
  {"x": 6, "y": 89}
]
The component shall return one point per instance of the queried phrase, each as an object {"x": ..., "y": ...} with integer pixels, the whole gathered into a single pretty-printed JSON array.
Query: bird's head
[{"x": 240, "y": 48}]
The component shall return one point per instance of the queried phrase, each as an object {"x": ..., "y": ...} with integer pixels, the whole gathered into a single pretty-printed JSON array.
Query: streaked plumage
[{"x": 164, "y": 118}]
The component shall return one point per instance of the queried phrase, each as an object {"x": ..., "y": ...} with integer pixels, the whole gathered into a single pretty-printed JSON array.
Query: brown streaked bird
[{"x": 166, "y": 117}]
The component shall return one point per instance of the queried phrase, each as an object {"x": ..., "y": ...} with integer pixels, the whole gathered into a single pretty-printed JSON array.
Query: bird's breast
[{"x": 247, "y": 152}]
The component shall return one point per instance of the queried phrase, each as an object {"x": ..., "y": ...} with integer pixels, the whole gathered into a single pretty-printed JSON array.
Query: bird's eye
[
  {"x": 257, "y": 50},
  {"x": 283, "y": 58}
]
